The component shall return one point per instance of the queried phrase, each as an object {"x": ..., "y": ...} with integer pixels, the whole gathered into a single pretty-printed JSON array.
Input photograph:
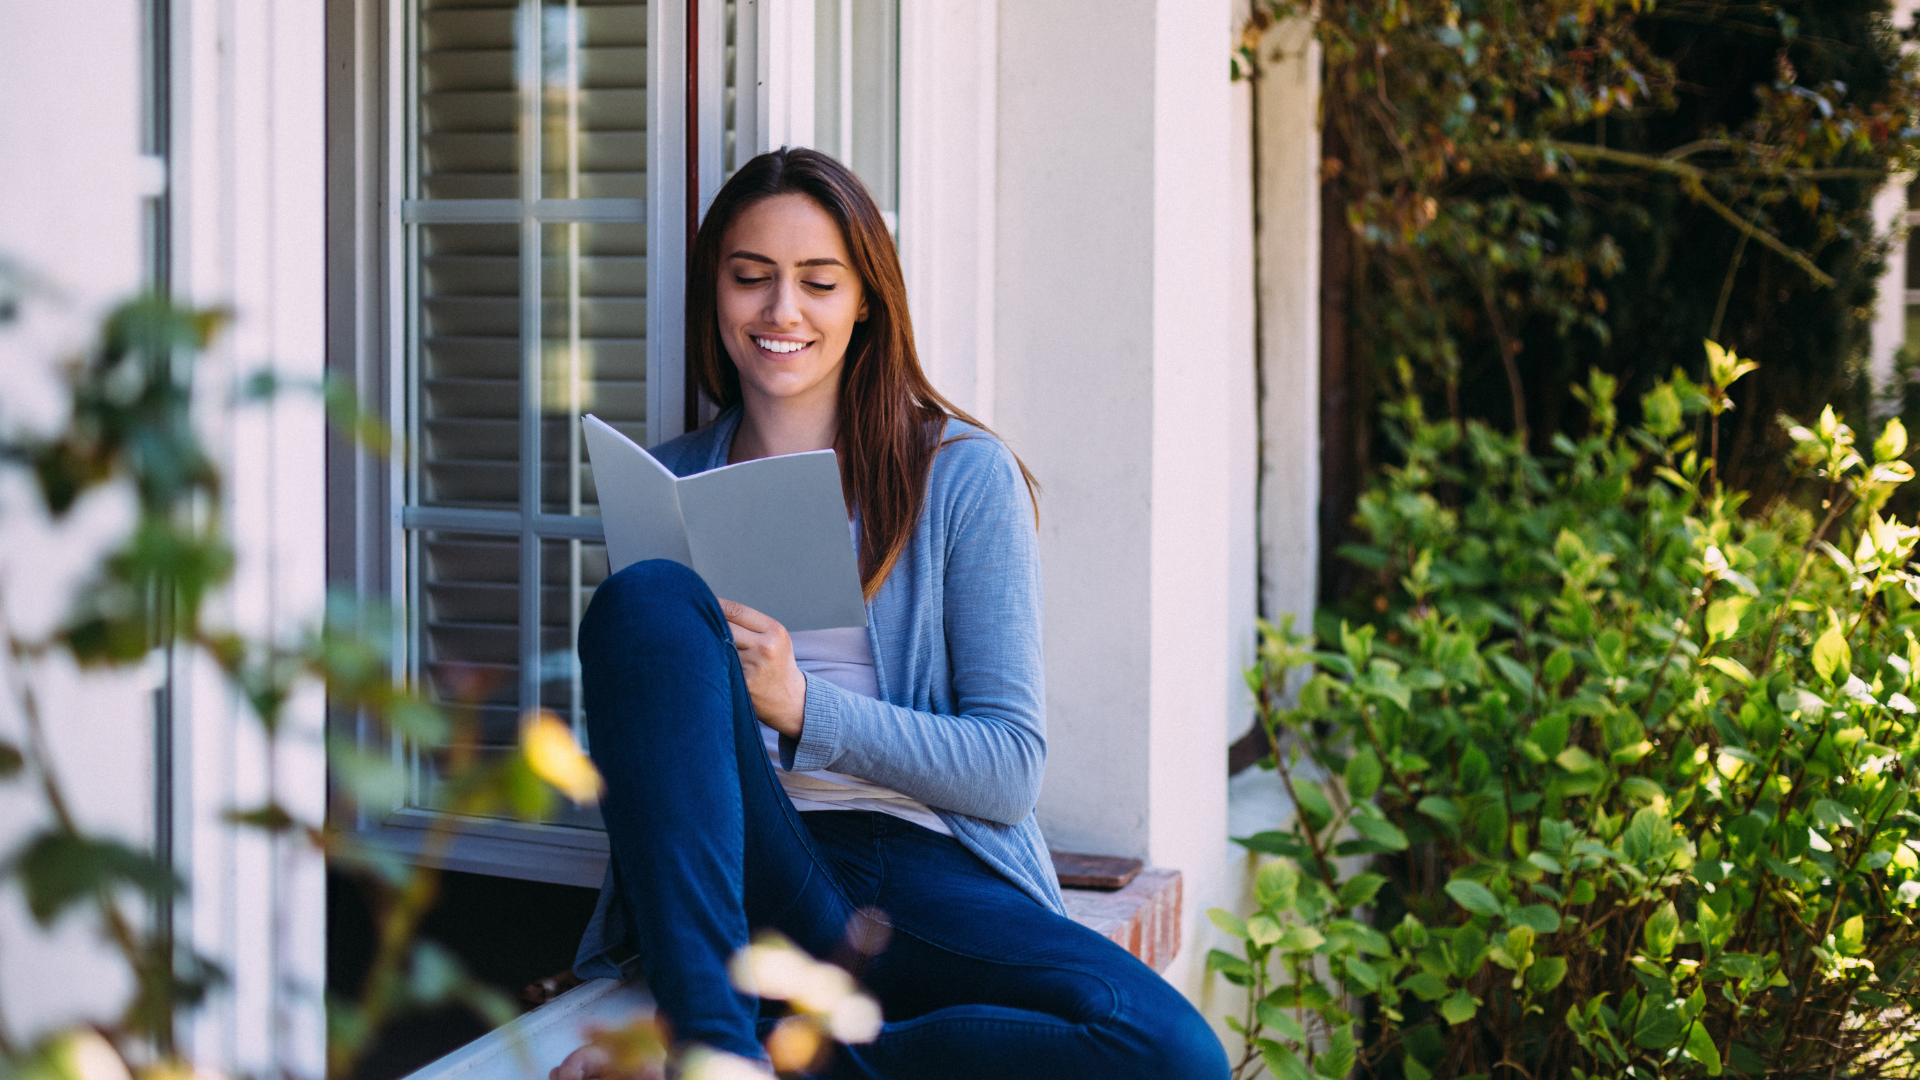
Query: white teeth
[{"x": 780, "y": 346}]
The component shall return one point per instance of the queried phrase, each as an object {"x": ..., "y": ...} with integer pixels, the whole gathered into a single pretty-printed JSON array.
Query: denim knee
[
  {"x": 1182, "y": 1046},
  {"x": 647, "y": 600}
]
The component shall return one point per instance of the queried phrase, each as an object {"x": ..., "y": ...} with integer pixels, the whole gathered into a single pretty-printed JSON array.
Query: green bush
[{"x": 1612, "y": 780}]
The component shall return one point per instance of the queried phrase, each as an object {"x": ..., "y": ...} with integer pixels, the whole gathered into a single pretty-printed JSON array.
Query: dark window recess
[{"x": 510, "y": 934}]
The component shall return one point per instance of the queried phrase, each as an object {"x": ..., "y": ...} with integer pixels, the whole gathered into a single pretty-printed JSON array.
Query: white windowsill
[{"x": 533, "y": 1044}]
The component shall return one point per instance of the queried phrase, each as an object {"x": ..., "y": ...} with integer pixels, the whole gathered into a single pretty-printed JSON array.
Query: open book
[{"x": 769, "y": 533}]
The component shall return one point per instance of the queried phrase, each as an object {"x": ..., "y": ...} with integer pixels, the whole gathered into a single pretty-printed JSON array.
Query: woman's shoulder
[{"x": 974, "y": 464}]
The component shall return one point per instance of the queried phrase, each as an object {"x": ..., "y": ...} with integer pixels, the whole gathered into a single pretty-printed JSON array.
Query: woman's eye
[
  {"x": 741, "y": 279},
  {"x": 822, "y": 286}
]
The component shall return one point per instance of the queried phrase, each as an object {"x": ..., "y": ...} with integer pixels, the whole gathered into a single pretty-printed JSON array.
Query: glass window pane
[
  {"x": 856, "y": 91},
  {"x": 467, "y": 606},
  {"x": 569, "y": 572},
  {"x": 593, "y": 83},
  {"x": 469, "y": 100},
  {"x": 593, "y": 350},
  {"x": 468, "y": 392},
  {"x": 875, "y": 84}
]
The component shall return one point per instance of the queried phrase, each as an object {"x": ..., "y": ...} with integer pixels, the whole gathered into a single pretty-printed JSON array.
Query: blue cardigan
[{"x": 960, "y": 723}]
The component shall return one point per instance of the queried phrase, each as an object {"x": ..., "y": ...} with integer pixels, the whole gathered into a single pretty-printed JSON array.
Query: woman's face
[{"x": 788, "y": 300}]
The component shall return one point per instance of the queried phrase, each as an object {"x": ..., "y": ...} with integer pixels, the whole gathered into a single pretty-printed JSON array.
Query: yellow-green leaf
[
  {"x": 1892, "y": 441},
  {"x": 1831, "y": 657},
  {"x": 1723, "y": 617}
]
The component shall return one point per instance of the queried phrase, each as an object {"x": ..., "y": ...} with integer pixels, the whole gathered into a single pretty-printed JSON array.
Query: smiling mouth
[{"x": 780, "y": 347}]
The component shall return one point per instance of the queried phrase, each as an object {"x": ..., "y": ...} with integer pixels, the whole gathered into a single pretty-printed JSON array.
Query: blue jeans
[{"x": 975, "y": 979}]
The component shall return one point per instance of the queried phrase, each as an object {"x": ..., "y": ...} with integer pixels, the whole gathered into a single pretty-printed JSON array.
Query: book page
[
  {"x": 639, "y": 504},
  {"x": 772, "y": 534}
]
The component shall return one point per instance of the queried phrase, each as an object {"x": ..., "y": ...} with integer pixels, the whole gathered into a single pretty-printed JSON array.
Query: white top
[{"x": 844, "y": 658}]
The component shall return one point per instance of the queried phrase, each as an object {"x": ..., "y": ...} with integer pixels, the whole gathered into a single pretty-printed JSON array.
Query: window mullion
[{"x": 530, "y": 79}]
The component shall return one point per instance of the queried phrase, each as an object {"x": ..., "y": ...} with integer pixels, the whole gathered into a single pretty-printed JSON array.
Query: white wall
[
  {"x": 1114, "y": 376},
  {"x": 247, "y": 177},
  {"x": 71, "y": 184}
]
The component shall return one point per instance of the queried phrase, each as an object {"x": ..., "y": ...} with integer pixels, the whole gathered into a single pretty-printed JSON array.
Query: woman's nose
[{"x": 783, "y": 307}]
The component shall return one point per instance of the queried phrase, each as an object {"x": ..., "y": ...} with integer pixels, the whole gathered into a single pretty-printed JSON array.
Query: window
[
  {"x": 526, "y": 279},
  {"x": 856, "y": 93},
  {"x": 536, "y": 153}
]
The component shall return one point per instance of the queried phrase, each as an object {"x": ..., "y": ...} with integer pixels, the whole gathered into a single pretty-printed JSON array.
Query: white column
[
  {"x": 1289, "y": 253},
  {"x": 1889, "y": 333},
  {"x": 1890, "y": 305},
  {"x": 947, "y": 170},
  {"x": 1113, "y": 378},
  {"x": 250, "y": 158}
]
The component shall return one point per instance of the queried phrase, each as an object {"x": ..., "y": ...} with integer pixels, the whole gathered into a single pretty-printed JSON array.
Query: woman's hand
[{"x": 774, "y": 681}]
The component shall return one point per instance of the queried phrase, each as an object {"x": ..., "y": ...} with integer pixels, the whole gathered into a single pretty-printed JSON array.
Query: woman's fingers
[
  {"x": 586, "y": 1063},
  {"x": 748, "y": 619}
]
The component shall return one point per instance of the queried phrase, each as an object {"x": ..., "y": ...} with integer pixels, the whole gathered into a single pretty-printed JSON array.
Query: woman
[{"x": 909, "y": 753}]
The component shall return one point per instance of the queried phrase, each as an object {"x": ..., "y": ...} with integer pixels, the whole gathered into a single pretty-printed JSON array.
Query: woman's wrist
[{"x": 791, "y": 715}]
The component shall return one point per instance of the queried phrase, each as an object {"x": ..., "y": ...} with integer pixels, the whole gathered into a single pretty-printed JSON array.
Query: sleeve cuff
[{"x": 819, "y": 742}]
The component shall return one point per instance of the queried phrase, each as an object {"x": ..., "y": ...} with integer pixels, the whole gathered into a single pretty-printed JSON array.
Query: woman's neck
[{"x": 769, "y": 427}]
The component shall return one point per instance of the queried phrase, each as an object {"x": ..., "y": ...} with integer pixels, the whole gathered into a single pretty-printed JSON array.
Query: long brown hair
[{"x": 891, "y": 417}]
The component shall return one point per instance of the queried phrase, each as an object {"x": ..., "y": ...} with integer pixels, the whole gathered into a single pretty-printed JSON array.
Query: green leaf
[
  {"x": 58, "y": 869},
  {"x": 1662, "y": 931},
  {"x": 1546, "y": 973},
  {"x": 1232, "y": 967},
  {"x": 1473, "y": 896},
  {"x": 1659, "y": 1025},
  {"x": 1297, "y": 938},
  {"x": 1363, "y": 774},
  {"x": 1835, "y": 815},
  {"x": 1277, "y": 884},
  {"x": 1273, "y": 843},
  {"x": 1359, "y": 889},
  {"x": 1425, "y": 986},
  {"x": 1513, "y": 672},
  {"x": 1852, "y": 936},
  {"x": 1411, "y": 1068},
  {"x": 1459, "y": 1008},
  {"x": 1701, "y": 1049},
  {"x": 1228, "y": 921},
  {"x": 1280, "y": 1020},
  {"x": 1575, "y": 760},
  {"x": 1831, "y": 656},
  {"x": 1262, "y": 930},
  {"x": 1540, "y": 918},
  {"x": 1283, "y": 1063},
  {"x": 1384, "y": 833},
  {"x": 1440, "y": 809},
  {"x": 1732, "y": 668},
  {"x": 1312, "y": 800},
  {"x": 1337, "y": 1060},
  {"x": 1660, "y": 410}
]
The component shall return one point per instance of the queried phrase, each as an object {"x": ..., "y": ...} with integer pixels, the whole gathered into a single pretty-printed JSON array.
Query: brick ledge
[{"x": 1143, "y": 917}]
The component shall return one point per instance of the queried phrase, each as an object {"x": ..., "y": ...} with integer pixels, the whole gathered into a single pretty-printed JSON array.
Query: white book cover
[{"x": 770, "y": 533}]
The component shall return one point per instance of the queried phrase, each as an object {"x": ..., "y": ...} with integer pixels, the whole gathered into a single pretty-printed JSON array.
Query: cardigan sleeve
[{"x": 985, "y": 758}]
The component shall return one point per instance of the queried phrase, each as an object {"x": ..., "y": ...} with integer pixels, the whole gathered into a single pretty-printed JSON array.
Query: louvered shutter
[{"x": 526, "y": 249}]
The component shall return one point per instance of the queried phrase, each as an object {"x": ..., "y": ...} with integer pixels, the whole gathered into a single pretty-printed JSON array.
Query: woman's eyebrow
[{"x": 754, "y": 256}]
